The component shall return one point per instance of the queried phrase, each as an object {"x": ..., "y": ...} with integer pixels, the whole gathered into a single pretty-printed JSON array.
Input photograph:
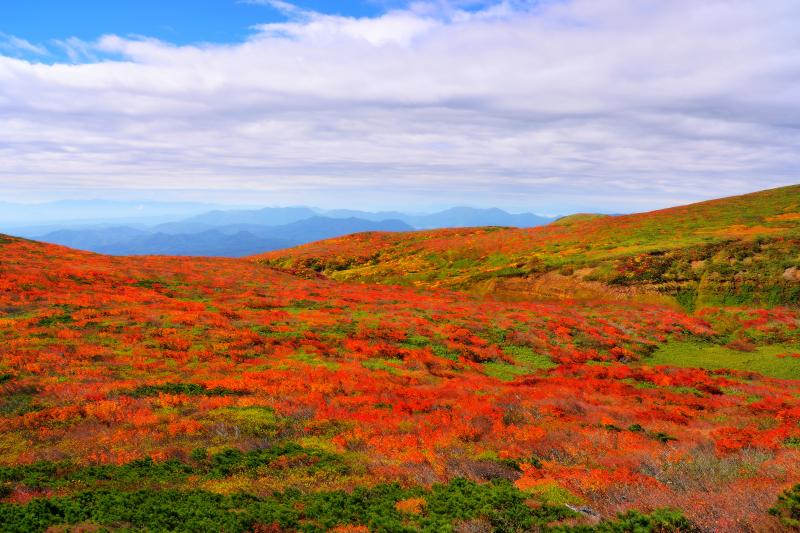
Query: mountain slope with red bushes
[{"x": 152, "y": 378}]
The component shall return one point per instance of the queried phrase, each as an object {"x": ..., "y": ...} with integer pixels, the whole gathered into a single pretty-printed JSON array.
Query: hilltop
[{"x": 732, "y": 251}]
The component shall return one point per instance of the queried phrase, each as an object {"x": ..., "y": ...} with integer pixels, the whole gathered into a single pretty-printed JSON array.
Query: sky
[{"x": 550, "y": 106}]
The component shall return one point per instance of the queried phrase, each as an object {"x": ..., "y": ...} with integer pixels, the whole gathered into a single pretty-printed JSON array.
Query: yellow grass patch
[
  {"x": 784, "y": 216},
  {"x": 746, "y": 231},
  {"x": 411, "y": 505}
]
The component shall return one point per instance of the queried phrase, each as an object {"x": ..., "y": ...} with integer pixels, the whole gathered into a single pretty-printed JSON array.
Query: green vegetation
[
  {"x": 792, "y": 442},
  {"x": 63, "y": 317},
  {"x": 383, "y": 364},
  {"x": 571, "y": 220},
  {"x": 787, "y": 509},
  {"x": 189, "y": 389},
  {"x": 659, "y": 521},
  {"x": 763, "y": 360},
  {"x": 659, "y": 436},
  {"x": 498, "y": 505},
  {"x": 52, "y": 475},
  {"x": 315, "y": 360},
  {"x": 146, "y": 472},
  {"x": 725, "y": 273},
  {"x": 19, "y": 401},
  {"x": 526, "y": 357},
  {"x": 147, "y": 283},
  {"x": 255, "y": 421},
  {"x": 526, "y": 361}
]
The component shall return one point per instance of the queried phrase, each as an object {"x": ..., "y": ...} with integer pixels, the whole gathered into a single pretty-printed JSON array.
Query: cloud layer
[{"x": 617, "y": 103}]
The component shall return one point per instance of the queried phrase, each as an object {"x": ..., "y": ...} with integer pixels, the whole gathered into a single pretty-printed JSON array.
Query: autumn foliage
[{"x": 227, "y": 376}]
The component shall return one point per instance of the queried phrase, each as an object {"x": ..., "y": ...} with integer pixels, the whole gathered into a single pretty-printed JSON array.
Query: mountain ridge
[{"x": 232, "y": 240}]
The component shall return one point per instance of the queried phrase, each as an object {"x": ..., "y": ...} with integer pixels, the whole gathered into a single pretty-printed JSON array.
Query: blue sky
[
  {"x": 42, "y": 22},
  {"x": 180, "y": 21},
  {"x": 549, "y": 106}
]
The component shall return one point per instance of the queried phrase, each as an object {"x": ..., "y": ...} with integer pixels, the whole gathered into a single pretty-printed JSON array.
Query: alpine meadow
[{"x": 461, "y": 266}]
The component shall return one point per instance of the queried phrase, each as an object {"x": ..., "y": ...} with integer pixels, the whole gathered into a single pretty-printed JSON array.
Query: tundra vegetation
[{"x": 421, "y": 381}]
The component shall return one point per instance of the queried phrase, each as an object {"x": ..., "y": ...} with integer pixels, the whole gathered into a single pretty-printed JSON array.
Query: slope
[
  {"x": 738, "y": 250},
  {"x": 184, "y": 392}
]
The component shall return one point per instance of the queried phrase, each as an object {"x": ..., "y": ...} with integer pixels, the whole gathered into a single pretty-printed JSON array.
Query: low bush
[
  {"x": 787, "y": 508},
  {"x": 499, "y": 504},
  {"x": 146, "y": 472},
  {"x": 189, "y": 389}
]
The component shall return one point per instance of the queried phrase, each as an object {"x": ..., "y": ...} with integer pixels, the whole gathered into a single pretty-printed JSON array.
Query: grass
[
  {"x": 189, "y": 389},
  {"x": 764, "y": 360},
  {"x": 383, "y": 364},
  {"x": 526, "y": 362},
  {"x": 524, "y": 356},
  {"x": 253, "y": 420},
  {"x": 552, "y": 493},
  {"x": 504, "y": 371},
  {"x": 315, "y": 360}
]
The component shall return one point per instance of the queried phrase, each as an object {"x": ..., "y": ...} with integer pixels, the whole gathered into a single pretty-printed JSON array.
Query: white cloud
[
  {"x": 397, "y": 27},
  {"x": 14, "y": 45},
  {"x": 515, "y": 102},
  {"x": 77, "y": 50}
]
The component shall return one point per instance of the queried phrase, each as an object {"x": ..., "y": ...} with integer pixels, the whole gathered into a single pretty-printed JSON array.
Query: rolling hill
[
  {"x": 220, "y": 394},
  {"x": 738, "y": 250}
]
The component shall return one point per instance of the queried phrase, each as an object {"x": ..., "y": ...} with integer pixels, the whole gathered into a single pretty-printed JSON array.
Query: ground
[{"x": 223, "y": 394}]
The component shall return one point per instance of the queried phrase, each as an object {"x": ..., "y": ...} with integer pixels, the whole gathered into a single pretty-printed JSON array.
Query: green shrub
[
  {"x": 498, "y": 503},
  {"x": 146, "y": 472},
  {"x": 189, "y": 389},
  {"x": 659, "y": 521},
  {"x": 792, "y": 442},
  {"x": 787, "y": 508}
]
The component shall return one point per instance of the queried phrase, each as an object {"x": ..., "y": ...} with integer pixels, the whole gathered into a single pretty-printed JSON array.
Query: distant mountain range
[
  {"x": 97, "y": 211},
  {"x": 455, "y": 217},
  {"x": 241, "y": 232},
  {"x": 271, "y": 216},
  {"x": 227, "y": 240}
]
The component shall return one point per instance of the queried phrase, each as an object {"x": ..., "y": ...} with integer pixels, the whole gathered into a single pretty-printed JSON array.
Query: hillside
[
  {"x": 211, "y": 394},
  {"x": 733, "y": 251}
]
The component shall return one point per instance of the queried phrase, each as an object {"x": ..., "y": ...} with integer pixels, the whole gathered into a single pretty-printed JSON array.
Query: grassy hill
[
  {"x": 733, "y": 251},
  {"x": 214, "y": 394}
]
